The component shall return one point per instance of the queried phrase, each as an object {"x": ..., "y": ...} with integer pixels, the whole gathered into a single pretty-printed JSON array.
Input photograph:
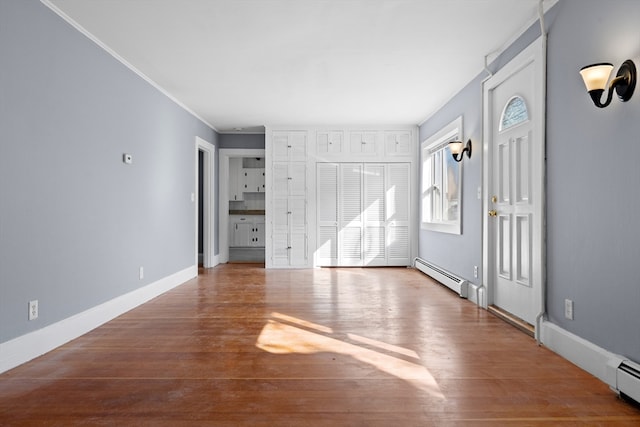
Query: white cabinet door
[
  {"x": 242, "y": 234},
  {"x": 297, "y": 179},
  {"x": 280, "y": 173},
  {"x": 280, "y": 248},
  {"x": 258, "y": 233},
  {"x": 280, "y": 215},
  {"x": 298, "y": 249},
  {"x": 236, "y": 184},
  {"x": 297, "y": 215},
  {"x": 398, "y": 143},
  {"x": 328, "y": 143},
  {"x": 289, "y": 223},
  {"x": 289, "y": 145},
  {"x": 253, "y": 179},
  {"x": 363, "y": 143},
  {"x": 289, "y": 179}
]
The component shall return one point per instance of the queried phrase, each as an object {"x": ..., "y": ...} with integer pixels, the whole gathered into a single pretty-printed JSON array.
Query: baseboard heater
[
  {"x": 455, "y": 283},
  {"x": 628, "y": 380}
]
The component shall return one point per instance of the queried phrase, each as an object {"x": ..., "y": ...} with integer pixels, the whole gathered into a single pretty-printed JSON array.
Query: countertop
[{"x": 246, "y": 212}]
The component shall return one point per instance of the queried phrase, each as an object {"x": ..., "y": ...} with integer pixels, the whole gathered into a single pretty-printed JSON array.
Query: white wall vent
[{"x": 457, "y": 284}]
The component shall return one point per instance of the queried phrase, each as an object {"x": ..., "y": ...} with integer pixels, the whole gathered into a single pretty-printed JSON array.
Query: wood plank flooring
[{"x": 243, "y": 346}]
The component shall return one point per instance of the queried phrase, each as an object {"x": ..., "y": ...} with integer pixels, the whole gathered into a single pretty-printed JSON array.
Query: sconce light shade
[
  {"x": 458, "y": 149},
  {"x": 595, "y": 79},
  {"x": 596, "y": 76}
]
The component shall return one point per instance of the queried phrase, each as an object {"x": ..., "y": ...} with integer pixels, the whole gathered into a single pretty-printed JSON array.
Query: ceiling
[{"x": 243, "y": 64}]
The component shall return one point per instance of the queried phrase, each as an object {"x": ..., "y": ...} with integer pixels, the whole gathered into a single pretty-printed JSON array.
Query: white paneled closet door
[
  {"x": 397, "y": 218},
  {"x": 363, "y": 214},
  {"x": 374, "y": 215},
  {"x": 327, "y": 218},
  {"x": 350, "y": 214}
]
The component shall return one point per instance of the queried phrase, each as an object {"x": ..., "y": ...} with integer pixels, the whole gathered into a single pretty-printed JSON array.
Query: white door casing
[
  {"x": 208, "y": 225},
  {"x": 225, "y": 154},
  {"x": 513, "y": 238}
]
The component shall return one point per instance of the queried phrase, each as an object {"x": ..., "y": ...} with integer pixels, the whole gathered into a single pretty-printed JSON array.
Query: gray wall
[
  {"x": 76, "y": 223},
  {"x": 592, "y": 176},
  {"x": 249, "y": 141}
]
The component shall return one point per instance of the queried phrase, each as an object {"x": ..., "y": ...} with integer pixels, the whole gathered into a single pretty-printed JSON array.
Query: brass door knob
[{"x": 493, "y": 213}]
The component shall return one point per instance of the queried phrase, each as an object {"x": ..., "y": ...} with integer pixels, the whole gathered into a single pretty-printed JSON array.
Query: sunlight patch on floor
[{"x": 278, "y": 337}]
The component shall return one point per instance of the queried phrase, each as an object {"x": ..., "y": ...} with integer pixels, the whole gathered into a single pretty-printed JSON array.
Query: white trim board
[
  {"x": 582, "y": 353},
  {"x": 209, "y": 202},
  {"x": 29, "y": 346}
]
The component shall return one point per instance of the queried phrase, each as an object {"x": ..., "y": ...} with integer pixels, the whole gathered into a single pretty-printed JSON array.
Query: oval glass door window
[{"x": 514, "y": 113}]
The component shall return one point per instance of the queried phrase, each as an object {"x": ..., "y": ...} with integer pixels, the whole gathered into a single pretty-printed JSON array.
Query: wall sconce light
[
  {"x": 457, "y": 150},
  {"x": 595, "y": 78}
]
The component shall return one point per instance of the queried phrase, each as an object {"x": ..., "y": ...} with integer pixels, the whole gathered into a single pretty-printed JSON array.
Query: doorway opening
[{"x": 242, "y": 205}]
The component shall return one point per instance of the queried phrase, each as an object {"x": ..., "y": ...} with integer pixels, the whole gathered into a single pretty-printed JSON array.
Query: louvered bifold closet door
[
  {"x": 327, "y": 219},
  {"x": 374, "y": 215},
  {"x": 350, "y": 215},
  {"x": 398, "y": 213}
]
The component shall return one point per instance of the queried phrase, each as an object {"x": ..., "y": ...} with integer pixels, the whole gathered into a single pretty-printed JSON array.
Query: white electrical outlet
[
  {"x": 475, "y": 271},
  {"x": 33, "y": 309},
  {"x": 141, "y": 273},
  {"x": 568, "y": 309}
]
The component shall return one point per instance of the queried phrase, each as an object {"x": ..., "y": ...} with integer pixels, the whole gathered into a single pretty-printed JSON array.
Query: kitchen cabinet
[
  {"x": 247, "y": 230},
  {"x": 236, "y": 184},
  {"x": 253, "y": 180}
]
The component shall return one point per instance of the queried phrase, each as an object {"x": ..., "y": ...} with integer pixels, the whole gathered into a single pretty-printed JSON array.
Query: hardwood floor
[{"x": 242, "y": 346}]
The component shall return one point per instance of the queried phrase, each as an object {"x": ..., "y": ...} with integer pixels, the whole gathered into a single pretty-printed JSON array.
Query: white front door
[{"x": 514, "y": 166}]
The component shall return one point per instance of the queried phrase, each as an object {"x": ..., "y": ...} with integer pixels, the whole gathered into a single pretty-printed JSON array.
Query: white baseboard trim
[
  {"x": 29, "y": 346},
  {"x": 475, "y": 294},
  {"x": 585, "y": 354}
]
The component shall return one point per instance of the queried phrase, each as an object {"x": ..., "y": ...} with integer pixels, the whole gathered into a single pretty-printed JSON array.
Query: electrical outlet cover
[{"x": 33, "y": 310}]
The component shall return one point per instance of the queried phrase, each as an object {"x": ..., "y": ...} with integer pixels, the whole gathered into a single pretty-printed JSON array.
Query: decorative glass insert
[{"x": 514, "y": 113}]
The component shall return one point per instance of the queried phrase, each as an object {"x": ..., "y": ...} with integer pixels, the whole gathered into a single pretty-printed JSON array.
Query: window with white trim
[{"x": 441, "y": 181}]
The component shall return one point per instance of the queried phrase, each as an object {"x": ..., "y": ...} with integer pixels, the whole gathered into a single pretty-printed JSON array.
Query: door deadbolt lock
[{"x": 494, "y": 199}]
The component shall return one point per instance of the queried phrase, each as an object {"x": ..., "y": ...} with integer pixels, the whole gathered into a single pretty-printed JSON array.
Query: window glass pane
[
  {"x": 437, "y": 186},
  {"x": 450, "y": 211},
  {"x": 514, "y": 113}
]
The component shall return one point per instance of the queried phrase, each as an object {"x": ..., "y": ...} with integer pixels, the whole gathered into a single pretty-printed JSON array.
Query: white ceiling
[{"x": 249, "y": 63}]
